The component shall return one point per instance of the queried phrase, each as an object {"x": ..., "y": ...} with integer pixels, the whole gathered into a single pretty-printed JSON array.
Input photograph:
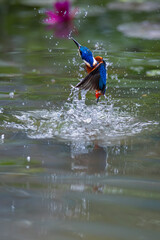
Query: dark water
[{"x": 71, "y": 168}]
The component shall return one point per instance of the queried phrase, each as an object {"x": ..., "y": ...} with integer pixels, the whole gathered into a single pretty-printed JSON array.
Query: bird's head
[{"x": 86, "y": 55}]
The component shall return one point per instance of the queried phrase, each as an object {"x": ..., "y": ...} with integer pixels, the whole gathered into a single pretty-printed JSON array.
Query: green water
[{"x": 71, "y": 168}]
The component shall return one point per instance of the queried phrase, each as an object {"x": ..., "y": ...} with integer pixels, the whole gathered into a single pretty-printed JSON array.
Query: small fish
[{"x": 96, "y": 68}]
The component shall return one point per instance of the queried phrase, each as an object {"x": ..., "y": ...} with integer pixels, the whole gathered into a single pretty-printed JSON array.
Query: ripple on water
[{"x": 76, "y": 120}]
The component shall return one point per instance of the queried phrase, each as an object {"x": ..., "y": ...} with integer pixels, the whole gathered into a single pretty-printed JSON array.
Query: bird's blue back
[{"x": 86, "y": 55}]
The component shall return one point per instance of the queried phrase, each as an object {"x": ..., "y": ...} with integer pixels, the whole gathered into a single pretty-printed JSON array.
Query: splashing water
[{"x": 76, "y": 120}]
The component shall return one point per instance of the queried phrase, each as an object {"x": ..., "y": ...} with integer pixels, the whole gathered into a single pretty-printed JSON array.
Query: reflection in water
[
  {"x": 97, "y": 196},
  {"x": 88, "y": 158},
  {"x": 63, "y": 30},
  {"x": 108, "y": 159}
]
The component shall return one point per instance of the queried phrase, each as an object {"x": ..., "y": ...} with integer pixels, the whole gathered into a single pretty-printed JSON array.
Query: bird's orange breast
[{"x": 98, "y": 59}]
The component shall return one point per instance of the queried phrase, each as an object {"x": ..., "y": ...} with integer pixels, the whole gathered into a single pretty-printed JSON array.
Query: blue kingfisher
[{"x": 96, "y": 68}]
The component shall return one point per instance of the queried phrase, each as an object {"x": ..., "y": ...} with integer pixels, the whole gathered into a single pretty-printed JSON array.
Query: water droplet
[
  {"x": 85, "y": 14},
  {"x": 40, "y": 11},
  {"x": 12, "y": 207},
  {"x": 97, "y": 45},
  {"x": 2, "y": 136},
  {"x": 11, "y": 94},
  {"x": 88, "y": 120}
]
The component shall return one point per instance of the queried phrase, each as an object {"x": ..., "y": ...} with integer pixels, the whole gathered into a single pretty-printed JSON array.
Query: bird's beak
[{"x": 78, "y": 45}]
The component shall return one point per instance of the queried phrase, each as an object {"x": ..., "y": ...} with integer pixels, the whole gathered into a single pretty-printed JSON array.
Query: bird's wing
[{"x": 91, "y": 81}]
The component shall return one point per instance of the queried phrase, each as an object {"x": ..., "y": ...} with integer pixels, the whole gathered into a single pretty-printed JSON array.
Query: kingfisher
[{"x": 96, "y": 68}]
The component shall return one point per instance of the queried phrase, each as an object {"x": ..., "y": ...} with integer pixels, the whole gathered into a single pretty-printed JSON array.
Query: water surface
[{"x": 71, "y": 168}]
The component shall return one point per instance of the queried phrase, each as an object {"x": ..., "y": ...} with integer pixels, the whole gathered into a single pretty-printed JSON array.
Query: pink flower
[{"x": 62, "y": 13}]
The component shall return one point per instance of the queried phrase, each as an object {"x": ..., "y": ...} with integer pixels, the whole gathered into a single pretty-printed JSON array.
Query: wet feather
[{"x": 92, "y": 80}]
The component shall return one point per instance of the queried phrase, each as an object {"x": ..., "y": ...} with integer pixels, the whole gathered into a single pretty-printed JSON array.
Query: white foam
[{"x": 76, "y": 120}]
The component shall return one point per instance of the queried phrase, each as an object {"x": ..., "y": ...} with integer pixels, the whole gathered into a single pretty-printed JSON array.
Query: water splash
[{"x": 76, "y": 120}]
